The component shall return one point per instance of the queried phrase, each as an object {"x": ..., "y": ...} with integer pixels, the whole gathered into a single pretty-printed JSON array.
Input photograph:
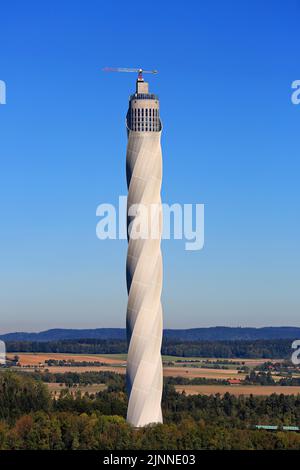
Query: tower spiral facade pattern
[{"x": 144, "y": 276}]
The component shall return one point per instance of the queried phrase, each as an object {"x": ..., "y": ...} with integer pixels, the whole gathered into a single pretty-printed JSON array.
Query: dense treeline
[
  {"x": 279, "y": 348},
  {"x": 72, "y": 363},
  {"x": 194, "y": 381},
  {"x": 116, "y": 382},
  {"x": 111, "y": 379},
  {"x": 230, "y": 410},
  {"x": 19, "y": 395},
  {"x": 80, "y": 346},
  {"x": 31, "y": 419},
  {"x": 266, "y": 378},
  {"x": 66, "y": 431},
  {"x": 271, "y": 349},
  {"x": 290, "y": 381}
]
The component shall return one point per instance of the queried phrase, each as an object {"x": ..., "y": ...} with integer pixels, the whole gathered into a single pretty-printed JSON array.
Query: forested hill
[{"x": 218, "y": 333}]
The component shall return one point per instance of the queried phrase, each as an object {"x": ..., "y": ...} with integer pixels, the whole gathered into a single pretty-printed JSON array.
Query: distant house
[{"x": 234, "y": 381}]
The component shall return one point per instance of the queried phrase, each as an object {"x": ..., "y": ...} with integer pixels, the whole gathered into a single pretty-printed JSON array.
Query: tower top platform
[{"x": 142, "y": 92}]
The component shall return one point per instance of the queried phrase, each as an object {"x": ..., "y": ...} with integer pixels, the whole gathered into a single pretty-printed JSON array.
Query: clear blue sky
[{"x": 230, "y": 141}]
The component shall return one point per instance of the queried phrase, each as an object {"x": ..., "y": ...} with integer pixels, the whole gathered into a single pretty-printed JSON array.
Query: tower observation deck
[{"x": 143, "y": 112}]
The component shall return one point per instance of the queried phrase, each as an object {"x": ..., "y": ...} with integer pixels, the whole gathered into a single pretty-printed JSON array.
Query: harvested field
[
  {"x": 191, "y": 372},
  {"x": 116, "y": 364},
  {"x": 56, "y": 388},
  {"x": 35, "y": 359},
  {"x": 262, "y": 390},
  {"x": 116, "y": 369},
  {"x": 168, "y": 371},
  {"x": 247, "y": 362}
]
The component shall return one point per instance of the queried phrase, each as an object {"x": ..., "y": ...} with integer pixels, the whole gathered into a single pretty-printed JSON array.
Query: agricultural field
[
  {"x": 56, "y": 388},
  {"x": 211, "y": 369},
  {"x": 38, "y": 359},
  {"x": 193, "y": 372},
  {"x": 117, "y": 363},
  {"x": 237, "y": 390},
  {"x": 27, "y": 359}
]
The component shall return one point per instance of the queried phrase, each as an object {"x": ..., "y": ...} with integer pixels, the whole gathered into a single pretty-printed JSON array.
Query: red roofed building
[{"x": 234, "y": 381}]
